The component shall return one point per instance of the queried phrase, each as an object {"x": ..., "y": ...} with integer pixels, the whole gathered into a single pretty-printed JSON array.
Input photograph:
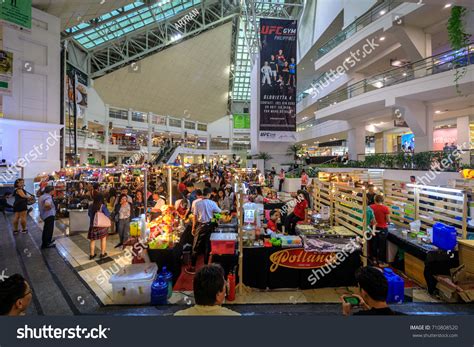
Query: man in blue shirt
[
  {"x": 47, "y": 214},
  {"x": 203, "y": 213},
  {"x": 191, "y": 193}
]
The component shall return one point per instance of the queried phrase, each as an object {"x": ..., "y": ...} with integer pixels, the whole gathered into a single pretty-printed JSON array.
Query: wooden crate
[
  {"x": 414, "y": 269},
  {"x": 466, "y": 254}
]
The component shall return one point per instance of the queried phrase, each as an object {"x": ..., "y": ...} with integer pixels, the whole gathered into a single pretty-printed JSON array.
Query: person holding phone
[{"x": 372, "y": 297}]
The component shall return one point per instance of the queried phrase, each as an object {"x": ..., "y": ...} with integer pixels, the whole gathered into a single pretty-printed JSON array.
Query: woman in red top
[
  {"x": 182, "y": 186},
  {"x": 378, "y": 244},
  {"x": 298, "y": 214}
]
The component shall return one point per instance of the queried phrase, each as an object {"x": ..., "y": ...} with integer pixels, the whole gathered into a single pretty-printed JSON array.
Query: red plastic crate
[{"x": 222, "y": 247}]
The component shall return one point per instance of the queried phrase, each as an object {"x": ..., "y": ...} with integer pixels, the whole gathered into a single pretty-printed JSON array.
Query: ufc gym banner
[{"x": 278, "y": 80}]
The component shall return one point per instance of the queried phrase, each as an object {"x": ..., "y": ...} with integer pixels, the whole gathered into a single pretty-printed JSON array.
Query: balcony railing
[
  {"x": 430, "y": 66},
  {"x": 306, "y": 125},
  {"x": 241, "y": 147},
  {"x": 367, "y": 18},
  {"x": 219, "y": 144},
  {"x": 173, "y": 122}
]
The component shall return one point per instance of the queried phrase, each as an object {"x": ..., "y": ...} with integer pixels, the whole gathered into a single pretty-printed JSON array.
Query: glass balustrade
[
  {"x": 430, "y": 66},
  {"x": 367, "y": 18}
]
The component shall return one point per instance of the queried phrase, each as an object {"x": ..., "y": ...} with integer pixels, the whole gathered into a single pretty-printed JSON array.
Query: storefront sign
[
  {"x": 16, "y": 12},
  {"x": 278, "y": 80},
  {"x": 241, "y": 121},
  {"x": 129, "y": 147},
  {"x": 6, "y": 72},
  {"x": 443, "y": 136},
  {"x": 298, "y": 258},
  {"x": 399, "y": 117}
]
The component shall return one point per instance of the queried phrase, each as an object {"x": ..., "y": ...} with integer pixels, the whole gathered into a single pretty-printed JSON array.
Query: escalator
[{"x": 164, "y": 154}]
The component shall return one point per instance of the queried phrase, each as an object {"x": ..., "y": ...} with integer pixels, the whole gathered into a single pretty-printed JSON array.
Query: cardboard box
[
  {"x": 448, "y": 291},
  {"x": 466, "y": 254},
  {"x": 464, "y": 280}
]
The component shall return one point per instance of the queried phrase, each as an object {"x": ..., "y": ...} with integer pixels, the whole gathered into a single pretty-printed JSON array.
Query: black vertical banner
[{"x": 278, "y": 80}]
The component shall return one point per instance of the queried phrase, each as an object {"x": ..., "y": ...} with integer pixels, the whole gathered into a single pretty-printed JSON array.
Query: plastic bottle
[
  {"x": 167, "y": 277},
  {"x": 231, "y": 283},
  {"x": 159, "y": 292}
]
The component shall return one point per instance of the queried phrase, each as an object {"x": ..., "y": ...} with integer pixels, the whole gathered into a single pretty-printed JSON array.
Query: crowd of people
[{"x": 199, "y": 192}]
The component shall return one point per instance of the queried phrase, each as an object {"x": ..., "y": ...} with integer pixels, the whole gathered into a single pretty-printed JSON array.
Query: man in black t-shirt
[
  {"x": 274, "y": 67},
  {"x": 373, "y": 287}
]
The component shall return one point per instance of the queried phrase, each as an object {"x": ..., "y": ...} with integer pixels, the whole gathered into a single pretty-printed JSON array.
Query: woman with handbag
[
  {"x": 20, "y": 206},
  {"x": 99, "y": 225}
]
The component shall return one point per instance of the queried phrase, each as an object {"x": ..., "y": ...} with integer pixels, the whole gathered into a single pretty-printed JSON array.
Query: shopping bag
[{"x": 101, "y": 220}]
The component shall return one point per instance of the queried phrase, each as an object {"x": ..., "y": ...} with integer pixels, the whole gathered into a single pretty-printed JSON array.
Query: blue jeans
[{"x": 124, "y": 229}]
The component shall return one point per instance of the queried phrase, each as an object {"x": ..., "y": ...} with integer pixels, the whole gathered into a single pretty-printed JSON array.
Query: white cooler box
[{"x": 132, "y": 285}]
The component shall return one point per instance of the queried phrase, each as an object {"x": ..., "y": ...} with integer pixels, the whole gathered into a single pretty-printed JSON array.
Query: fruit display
[{"x": 165, "y": 230}]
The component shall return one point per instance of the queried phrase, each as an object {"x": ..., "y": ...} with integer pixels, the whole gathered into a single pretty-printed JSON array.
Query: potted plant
[
  {"x": 295, "y": 151},
  {"x": 264, "y": 156}
]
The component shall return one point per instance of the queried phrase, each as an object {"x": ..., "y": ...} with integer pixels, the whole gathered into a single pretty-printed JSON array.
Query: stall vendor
[
  {"x": 274, "y": 220},
  {"x": 299, "y": 213}
]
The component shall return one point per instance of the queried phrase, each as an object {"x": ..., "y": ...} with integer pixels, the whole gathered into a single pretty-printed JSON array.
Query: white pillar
[
  {"x": 231, "y": 132},
  {"x": 150, "y": 135},
  {"x": 106, "y": 134},
  {"x": 356, "y": 142},
  {"x": 419, "y": 118},
  {"x": 183, "y": 130},
  {"x": 464, "y": 138},
  {"x": 130, "y": 117}
]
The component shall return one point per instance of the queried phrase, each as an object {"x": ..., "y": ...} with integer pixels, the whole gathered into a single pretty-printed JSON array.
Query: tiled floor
[
  {"x": 65, "y": 281},
  {"x": 75, "y": 250}
]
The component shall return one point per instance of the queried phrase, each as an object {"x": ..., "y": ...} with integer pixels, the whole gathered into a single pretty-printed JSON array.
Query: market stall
[{"x": 428, "y": 222}]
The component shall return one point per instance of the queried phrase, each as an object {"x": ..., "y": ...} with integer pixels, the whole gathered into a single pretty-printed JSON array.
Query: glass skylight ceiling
[
  {"x": 242, "y": 69},
  {"x": 241, "y": 89},
  {"x": 157, "y": 12}
]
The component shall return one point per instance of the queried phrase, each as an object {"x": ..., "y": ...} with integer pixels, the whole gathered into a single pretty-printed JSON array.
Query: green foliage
[
  {"x": 264, "y": 156},
  {"x": 459, "y": 38},
  {"x": 456, "y": 31},
  {"x": 295, "y": 150},
  {"x": 409, "y": 161}
]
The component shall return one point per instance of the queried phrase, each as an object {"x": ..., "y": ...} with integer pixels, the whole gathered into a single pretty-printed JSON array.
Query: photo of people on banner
[
  {"x": 278, "y": 79},
  {"x": 278, "y": 73}
]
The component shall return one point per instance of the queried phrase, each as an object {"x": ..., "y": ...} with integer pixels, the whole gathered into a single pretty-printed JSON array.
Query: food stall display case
[
  {"x": 401, "y": 200},
  {"x": 323, "y": 196},
  {"x": 428, "y": 205},
  {"x": 371, "y": 176}
]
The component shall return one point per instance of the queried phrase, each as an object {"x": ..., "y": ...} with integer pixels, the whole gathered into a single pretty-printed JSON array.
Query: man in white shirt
[
  {"x": 47, "y": 214},
  {"x": 209, "y": 293},
  {"x": 266, "y": 71},
  {"x": 203, "y": 212}
]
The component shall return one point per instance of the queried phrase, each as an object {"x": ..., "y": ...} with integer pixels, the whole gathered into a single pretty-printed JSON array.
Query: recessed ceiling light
[
  {"x": 382, "y": 38},
  {"x": 382, "y": 12},
  {"x": 437, "y": 111},
  {"x": 448, "y": 5}
]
